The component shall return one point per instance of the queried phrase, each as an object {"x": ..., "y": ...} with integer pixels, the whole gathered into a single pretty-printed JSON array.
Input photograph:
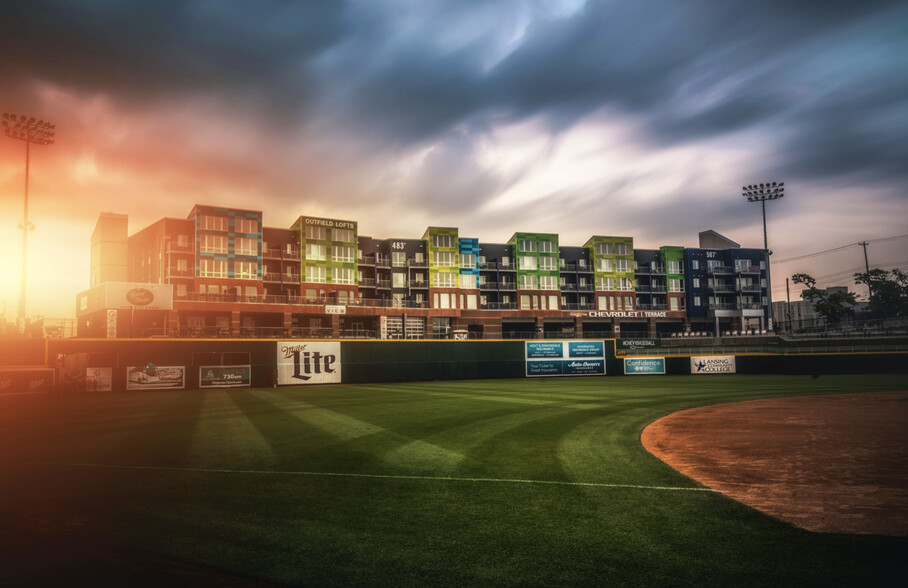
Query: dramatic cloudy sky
[{"x": 640, "y": 118}]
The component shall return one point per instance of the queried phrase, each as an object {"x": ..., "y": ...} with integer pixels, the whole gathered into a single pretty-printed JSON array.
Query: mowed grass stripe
[{"x": 225, "y": 437}]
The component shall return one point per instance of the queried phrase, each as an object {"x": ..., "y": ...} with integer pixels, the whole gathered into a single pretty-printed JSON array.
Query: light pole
[
  {"x": 39, "y": 132},
  {"x": 761, "y": 193}
]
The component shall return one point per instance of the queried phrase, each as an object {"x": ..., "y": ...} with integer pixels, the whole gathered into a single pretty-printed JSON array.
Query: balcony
[
  {"x": 507, "y": 267},
  {"x": 578, "y": 306},
  {"x": 488, "y": 286},
  {"x": 367, "y": 260},
  {"x": 499, "y": 306},
  {"x": 652, "y": 307},
  {"x": 419, "y": 284},
  {"x": 383, "y": 261},
  {"x": 752, "y": 287},
  {"x": 720, "y": 269},
  {"x": 747, "y": 269},
  {"x": 657, "y": 288},
  {"x": 366, "y": 283},
  {"x": 384, "y": 284},
  {"x": 721, "y": 287},
  {"x": 724, "y": 306},
  {"x": 507, "y": 286},
  {"x": 586, "y": 288},
  {"x": 414, "y": 263}
]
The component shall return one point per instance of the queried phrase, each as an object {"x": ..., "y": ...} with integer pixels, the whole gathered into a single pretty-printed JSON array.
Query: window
[
  {"x": 444, "y": 258},
  {"x": 342, "y": 275},
  {"x": 467, "y": 260},
  {"x": 675, "y": 285},
  {"x": 527, "y": 262},
  {"x": 602, "y": 303},
  {"x": 675, "y": 267},
  {"x": 342, "y": 235},
  {"x": 212, "y": 268},
  {"x": 673, "y": 303},
  {"x": 246, "y": 246},
  {"x": 246, "y": 225},
  {"x": 628, "y": 303},
  {"x": 245, "y": 270},
  {"x": 548, "y": 282},
  {"x": 468, "y": 281},
  {"x": 446, "y": 241},
  {"x": 622, "y": 249},
  {"x": 315, "y": 233},
  {"x": 546, "y": 247},
  {"x": 181, "y": 290},
  {"x": 603, "y": 248},
  {"x": 604, "y": 265},
  {"x": 213, "y": 244},
  {"x": 605, "y": 284},
  {"x": 524, "y": 301},
  {"x": 695, "y": 264},
  {"x": 315, "y": 274},
  {"x": 624, "y": 265},
  {"x": 342, "y": 253},
  {"x": 547, "y": 264},
  {"x": 529, "y": 283},
  {"x": 213, "y": 223},
  {"x": 625, "y": 284},
  {"x": 527, "y": 246},
  {"x": 182, "y": 265},
  {"x": 399, "y": 280},
  {"x": 696, "y": 282},
  {"x": 398, "y": 259},
  {"x": 420, "y": 257},
  {"x": 182, "y": 240},
  {"x": 696, "y": 301},
  {"x": 443, "y": 280},
  {"x": 315, "y": 251}
]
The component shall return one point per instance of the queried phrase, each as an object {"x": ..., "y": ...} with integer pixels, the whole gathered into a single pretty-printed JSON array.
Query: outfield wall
[{"x": 156, "y": 364}]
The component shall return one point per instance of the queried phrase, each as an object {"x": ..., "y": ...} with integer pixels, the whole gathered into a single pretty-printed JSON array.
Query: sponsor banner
[
  {"x": 153, "y": 377},
  {"x": 712, "y": 364},
  {"x": 644, "y": 365},
  {"x": 565, "y": 358},
  {"x": 225, "y": 376},
  {"x": 125, "y": 296},
  {"x": 637, "y": 343},
  {"x": 24, "y": 381},
  {"x": 308, "y": 362},
  {"x": 98, "y": 379},
  {"x": 111, "y": 324}
]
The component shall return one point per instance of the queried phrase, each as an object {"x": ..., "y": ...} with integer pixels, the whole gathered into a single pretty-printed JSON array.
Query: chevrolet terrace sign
[{"x": 621, "y": 314}]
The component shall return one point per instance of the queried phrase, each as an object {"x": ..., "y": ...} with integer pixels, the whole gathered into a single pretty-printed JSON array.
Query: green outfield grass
[{"x": 431, "y": 483}]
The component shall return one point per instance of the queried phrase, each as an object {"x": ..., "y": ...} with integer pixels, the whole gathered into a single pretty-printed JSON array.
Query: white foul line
[{"x": 375, "y": 476}]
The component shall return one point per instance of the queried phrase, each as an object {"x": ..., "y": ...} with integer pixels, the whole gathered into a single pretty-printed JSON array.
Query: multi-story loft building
[{"x": 221, "y": 273}]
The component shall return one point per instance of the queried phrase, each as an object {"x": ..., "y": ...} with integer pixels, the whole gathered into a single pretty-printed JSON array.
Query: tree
[
  {"x": 833, "y": 306},
  {"x": 888, "y": 291}
]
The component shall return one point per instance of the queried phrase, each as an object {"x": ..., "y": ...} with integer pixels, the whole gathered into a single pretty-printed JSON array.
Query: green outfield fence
[{"x": 66, "y": 360}]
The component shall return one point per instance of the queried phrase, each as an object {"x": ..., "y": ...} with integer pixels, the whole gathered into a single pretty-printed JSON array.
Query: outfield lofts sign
[
  {"x": 565, "y": 358},
  {"x": 305, "y": 362},
  {"x": 634, "y": 366},
  {"x": 712, "y": 364}
]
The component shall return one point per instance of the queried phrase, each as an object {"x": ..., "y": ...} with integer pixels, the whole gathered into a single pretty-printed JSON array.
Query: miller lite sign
[{"x": 308, "y": 362}]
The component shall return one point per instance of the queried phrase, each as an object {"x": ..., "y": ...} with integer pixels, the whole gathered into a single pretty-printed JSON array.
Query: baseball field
[{"x": 491, "y": 482}]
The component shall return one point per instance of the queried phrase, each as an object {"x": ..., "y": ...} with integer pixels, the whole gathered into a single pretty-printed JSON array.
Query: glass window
[
  {"x": 527, "y": 262},
  {"x": 529, "y": 283},
  {"x": 547, "y": 263},
  {"x": 399, "y": 280},
  {"x": 444, "y": 258},
  {"x": 625, "y": 284},
  {"x": 468, "y": 281},
  {"x": 548, "y": 282},
  {"x": 398, "y": 259},
  {"x": 527, "y": 246},
  {"x": 694, "y": 264},
  {"x": 246, "y": 246},
  {"x": 342, "y": 253},
  {"x": 467, "y": 260},
  {"x": 181, "y": 290},
  {"x": 675, "y": 285},
  {"x": 673, "y": 303},
  {"x": 443, "y": 279},
  {"x": 624, "y": 265},
  {"x": 213, "y": 244},
  {"x": 212, "y": 268},
  {"x": 315, "y": 233},
  {"x": 622, "y": 249},
  {"x": 603, "y": 248},
  {"x": 245, "y": 270},
  {"x": 315, "y": 274},
  {"x": 604, "y": 264},
  {"x": 343, "y": 235},
  {"x": 675, "y": 267},
  {"x": 246, "y": 225},
  {"x": 446, "y": 241},
  {"x": 212, "y": 223},
  {"x": 546, "y": 247},
  {"x": 628, "y": 303},
  {"x": 315, "y": 251},
  {"x": 605, "y": 284},
  {"x": 342, "y": 275}
]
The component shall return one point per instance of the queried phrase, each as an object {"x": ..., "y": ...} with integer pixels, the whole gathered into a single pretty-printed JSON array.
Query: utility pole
[
  {"x": 788, "y": 304},
  {"x": 39, "y": 132},
  {"x": 867, "y": 267}
]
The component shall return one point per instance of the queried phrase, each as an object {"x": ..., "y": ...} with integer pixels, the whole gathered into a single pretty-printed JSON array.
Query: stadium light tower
[
  {"x": 761, "y": 193},
  {"x": 39, "y": 132}
]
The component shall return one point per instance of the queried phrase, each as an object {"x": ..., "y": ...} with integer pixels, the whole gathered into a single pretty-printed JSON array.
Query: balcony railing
[
  {"x": 414, "y": 263},
  {"x": 652, "y": 307},
  {"x": 747, "y": 269},
  {"x": 721, "y": 287},
  {"x": 578, "y": 306},
  {"x": 499, "y": 306},
  {"x": 720, "y": 269}
]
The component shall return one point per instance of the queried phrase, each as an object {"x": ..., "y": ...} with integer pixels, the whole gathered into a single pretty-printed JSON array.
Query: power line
[{"x": 835, "y": 249}]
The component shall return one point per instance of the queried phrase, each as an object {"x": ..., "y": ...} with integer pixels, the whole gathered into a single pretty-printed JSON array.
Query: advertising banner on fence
[
  {"x": 98, "y": 379},
  {"x": 644, "y": 365},
  {"x": 225, "y": 376},
  {"x": 153, "y": 377},
  {"x": 565, "y": 358},
  {"x": 307, "y": 362},
  {"x": 23, "y": 381},
  {"x": 712, "y": 364}
]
